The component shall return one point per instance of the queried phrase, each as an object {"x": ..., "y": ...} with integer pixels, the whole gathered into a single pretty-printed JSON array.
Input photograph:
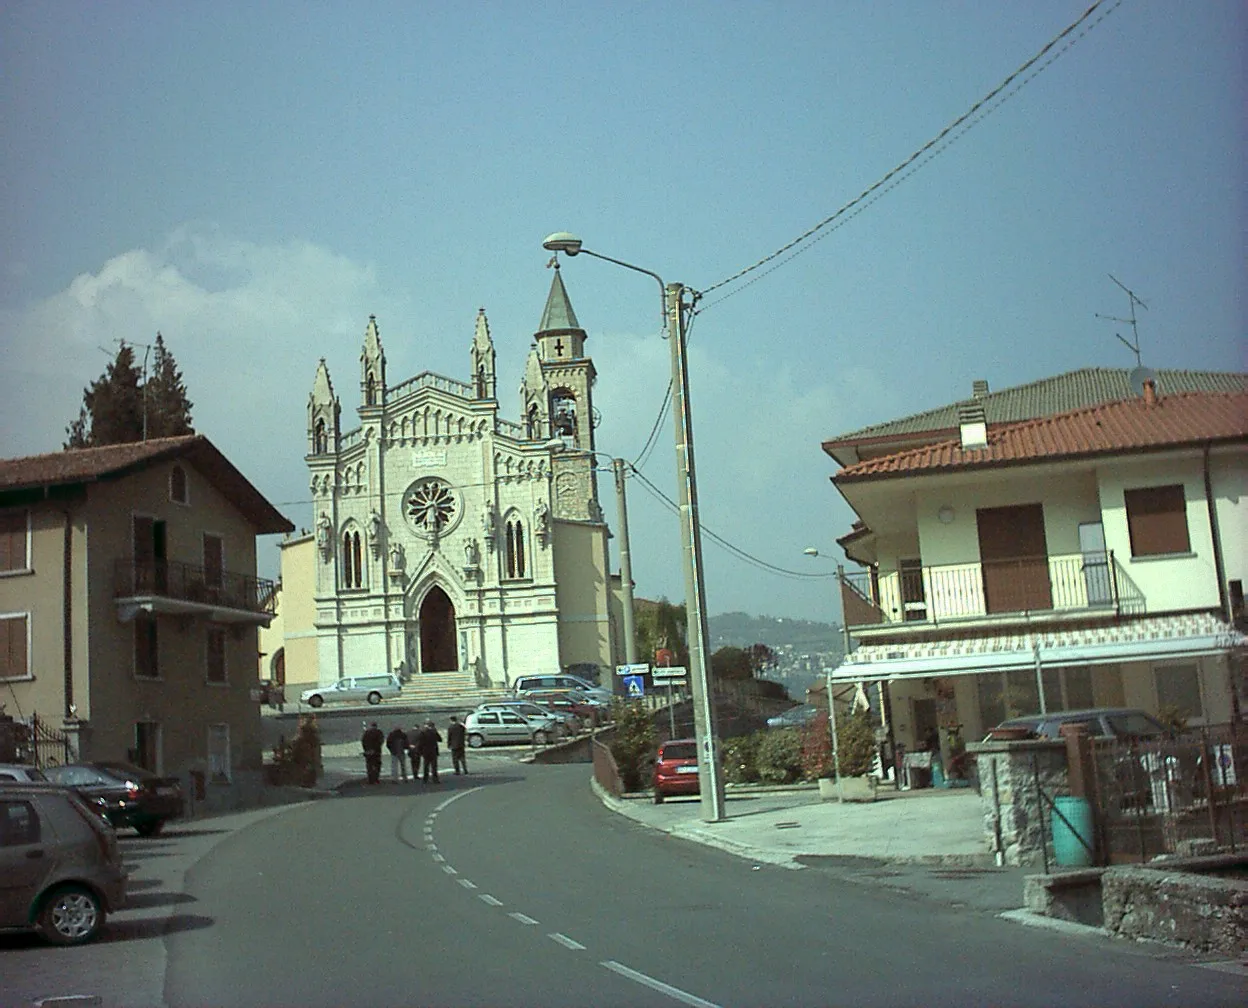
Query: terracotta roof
[
  {"x": 1070, "y": 391},
  {"x": 92, "y": 465},
  {"x": 1128, "y": 425}
]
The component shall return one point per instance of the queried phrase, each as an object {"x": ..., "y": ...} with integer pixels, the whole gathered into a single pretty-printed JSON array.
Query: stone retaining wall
[{"x": 1207, "y": 914}]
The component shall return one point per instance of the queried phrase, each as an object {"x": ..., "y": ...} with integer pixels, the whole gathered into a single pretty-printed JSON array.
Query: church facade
[{"x": 452, "y": 542}]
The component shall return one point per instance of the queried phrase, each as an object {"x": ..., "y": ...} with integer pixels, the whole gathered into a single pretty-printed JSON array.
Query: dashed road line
[
  {"x": 684, "y": 997},
  {"x": 566, "y": 942},
  {"x": 522, "y": 918},
  {"x": 487, "y": 898},
  {"x": 466, "y": 883}
]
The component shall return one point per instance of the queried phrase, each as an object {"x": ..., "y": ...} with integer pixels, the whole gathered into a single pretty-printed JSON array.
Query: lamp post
[{"x": 710, "y": 779}]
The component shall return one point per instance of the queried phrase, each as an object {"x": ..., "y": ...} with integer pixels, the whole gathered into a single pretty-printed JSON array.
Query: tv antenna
[{"x": 1134, "y": 347}]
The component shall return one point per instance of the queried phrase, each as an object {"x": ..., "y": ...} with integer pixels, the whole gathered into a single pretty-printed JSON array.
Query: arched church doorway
[{"x": 437, "y": 633}]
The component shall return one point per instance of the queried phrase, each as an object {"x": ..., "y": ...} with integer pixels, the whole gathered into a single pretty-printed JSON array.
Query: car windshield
[
  {"x": 679, "y": 750},
  {"x": 1134, "y": 724},
  {"x": 126, "y": 770}
]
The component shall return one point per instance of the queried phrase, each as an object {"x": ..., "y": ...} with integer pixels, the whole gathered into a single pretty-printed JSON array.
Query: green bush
[
  {"x": 741, "y": 759},
  {"x": 779, "y": 756},
  {"x": 633, "y": 743}
]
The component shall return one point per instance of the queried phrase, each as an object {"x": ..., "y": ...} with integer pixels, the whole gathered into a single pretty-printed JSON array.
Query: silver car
[
  {"x": 503, "y": 727},
  {"x": 354, "y": 689},
  {"x": 60, "y": 864},
  {"x": 569, "y": 723}
]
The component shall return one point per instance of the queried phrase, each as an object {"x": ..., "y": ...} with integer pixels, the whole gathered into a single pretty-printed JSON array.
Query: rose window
[{"x": 431, "y": 506}]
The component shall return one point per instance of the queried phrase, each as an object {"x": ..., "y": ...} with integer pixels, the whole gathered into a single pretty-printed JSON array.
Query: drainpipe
[
  {"x": 67, "y": 613},
  {"x": 1218, "y": 565}
]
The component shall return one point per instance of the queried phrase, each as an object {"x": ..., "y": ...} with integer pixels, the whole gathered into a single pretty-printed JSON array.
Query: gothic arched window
[
  {"x": 563, "y": 413},
  {"x": 481, "y": 382},
  {"x": 352, "y": 560},
  {"x": 514, "y": 550},
  {"x": 370, "y": 392},
  {"x": 320, "y": 443},
  {"x": 531, "y": 421}
]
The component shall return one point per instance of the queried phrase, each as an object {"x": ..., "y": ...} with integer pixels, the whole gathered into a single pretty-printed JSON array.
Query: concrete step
[{"x": 458, "y": 687}]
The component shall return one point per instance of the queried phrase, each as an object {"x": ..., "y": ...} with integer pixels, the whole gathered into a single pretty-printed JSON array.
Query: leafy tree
[
  {"x": 731, "y": 663},
  {"x": 168, "y": 409},
  {"x": 761, "y": 658},
  {"x": 113, "y": 406},
  {"x": 661, "y": 624},
  {"x": 633, "y": 742}
]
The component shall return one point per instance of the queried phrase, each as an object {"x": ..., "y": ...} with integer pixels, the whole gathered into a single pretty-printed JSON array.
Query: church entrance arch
[{"x": 436, "y": 618}]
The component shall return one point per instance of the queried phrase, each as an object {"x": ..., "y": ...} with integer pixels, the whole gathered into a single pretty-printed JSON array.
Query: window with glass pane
[
  {"x": 1157, "y": 520},
  {"x": 14, "y": 663},
  {"x": 13, "y": 540},
  {"x": 1178, "y": 687},
  {"x": 216, "y": 655},
  {"x": 146, "y": 647}
]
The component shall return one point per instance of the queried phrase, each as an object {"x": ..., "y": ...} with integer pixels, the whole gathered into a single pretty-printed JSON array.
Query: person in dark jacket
[
  {"x": 455, "y": 742},
  {"x": 396, "y": 742},
  {"x": 427, "y": 747},
  {"x": 413, "y": 753},
  {"x": 371, "y": 741}
]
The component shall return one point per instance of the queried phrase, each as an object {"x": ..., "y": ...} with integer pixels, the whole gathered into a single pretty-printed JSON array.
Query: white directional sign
[
  {"x": 659, "y": 673},
  {"x": 623, "y": 670}
]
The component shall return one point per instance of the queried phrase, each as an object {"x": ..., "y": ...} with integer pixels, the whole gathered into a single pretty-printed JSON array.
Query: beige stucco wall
[
  {"x": 294, "y": 627},
  {"x": 582, "y": 592}
]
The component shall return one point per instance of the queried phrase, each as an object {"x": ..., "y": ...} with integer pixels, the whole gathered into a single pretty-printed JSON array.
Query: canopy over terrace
[{"x": 1147, "y": 639}]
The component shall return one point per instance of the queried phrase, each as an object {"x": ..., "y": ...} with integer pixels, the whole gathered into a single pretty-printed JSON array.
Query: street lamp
[{"x": 710, "y": 779}]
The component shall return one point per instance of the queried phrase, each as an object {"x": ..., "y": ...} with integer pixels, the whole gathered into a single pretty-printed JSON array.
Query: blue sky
[{"x": 254, "y": 181}]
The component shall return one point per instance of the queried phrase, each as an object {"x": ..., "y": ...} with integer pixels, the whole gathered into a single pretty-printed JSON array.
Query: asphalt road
[{"x": 515, "y": 887}]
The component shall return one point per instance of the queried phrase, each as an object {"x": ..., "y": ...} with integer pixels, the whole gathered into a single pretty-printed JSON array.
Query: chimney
[
  {"x": 973, "y": 425},
  {"x": 1150, "y": 392},
  {"x": 979, "y": 388}
]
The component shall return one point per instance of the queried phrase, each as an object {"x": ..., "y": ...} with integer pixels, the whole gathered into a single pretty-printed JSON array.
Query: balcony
[
  {"x": 996, "y": 591},
  {"x": 167, "y": 586}
]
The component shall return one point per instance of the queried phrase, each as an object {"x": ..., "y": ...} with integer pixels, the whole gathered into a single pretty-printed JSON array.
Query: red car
[{"x": 676, "y": 769}]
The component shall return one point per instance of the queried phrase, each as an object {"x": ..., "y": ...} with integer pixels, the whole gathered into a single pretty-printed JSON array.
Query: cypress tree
[{"x": 168, "y": 409}]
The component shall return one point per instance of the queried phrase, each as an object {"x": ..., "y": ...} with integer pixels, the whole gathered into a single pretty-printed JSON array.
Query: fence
[
  {"x": 1173, "y": 795},
  {"x": 38, "y": 743}
]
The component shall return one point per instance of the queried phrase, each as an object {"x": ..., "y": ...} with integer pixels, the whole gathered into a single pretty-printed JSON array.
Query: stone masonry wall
[
  {"x": 1205, "y": 914},
  {"x": 1016, "y": 818}
]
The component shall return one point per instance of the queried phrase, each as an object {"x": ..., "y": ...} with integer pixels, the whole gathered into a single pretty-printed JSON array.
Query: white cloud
[{"x": 247, "y": 321}]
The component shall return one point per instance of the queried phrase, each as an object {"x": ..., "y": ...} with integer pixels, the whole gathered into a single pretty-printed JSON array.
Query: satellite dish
[{"x": 1139, "y": 375}]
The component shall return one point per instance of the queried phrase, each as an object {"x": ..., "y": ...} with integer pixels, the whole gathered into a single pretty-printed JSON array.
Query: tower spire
[
  {"x": 372, "y": 367},
  {"x": 482, "y": 359}
]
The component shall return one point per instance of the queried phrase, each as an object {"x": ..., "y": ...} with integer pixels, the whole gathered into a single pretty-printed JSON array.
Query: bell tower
[{"x": 564, "y": 399}]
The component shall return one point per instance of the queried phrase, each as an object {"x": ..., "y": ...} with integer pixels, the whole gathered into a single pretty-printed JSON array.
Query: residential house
[
  {"x": 1085, "y": 558},
  {"x": 129, "y": 605}
]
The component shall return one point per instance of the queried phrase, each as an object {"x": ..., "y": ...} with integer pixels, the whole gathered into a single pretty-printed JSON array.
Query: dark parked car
[
  {"x": 1101, "y": 722},
  {"x": 676, "y": 769},
  {"x": 132, "y": 796},
  {"x": 60, "y": 869}
]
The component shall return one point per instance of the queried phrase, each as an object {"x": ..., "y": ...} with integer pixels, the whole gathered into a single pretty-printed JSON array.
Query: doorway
[
  {"x": 1014, "y": 557},
  {"x": 438, "y": 651}
]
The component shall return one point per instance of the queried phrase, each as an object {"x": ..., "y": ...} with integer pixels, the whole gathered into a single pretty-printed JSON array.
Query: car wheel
[
  {"x": 70, "y": 915},
  {"x": 316, "y": 700},
  {"x": 374, "y": 698},
  {"x": 476, "y": 740},
  {"x": 658, "y": 797},
  {"x": 541, "y": 738},
  {"x": 149, "y": 827}
]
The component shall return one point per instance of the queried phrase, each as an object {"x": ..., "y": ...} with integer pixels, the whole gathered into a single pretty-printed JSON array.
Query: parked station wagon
[{"x": 354, "y": 689}]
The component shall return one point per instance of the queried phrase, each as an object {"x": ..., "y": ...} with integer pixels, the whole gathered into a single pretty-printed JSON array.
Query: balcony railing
[
  {"x": 1083, "y": 582},
  {"x": 188, "y": 583}
]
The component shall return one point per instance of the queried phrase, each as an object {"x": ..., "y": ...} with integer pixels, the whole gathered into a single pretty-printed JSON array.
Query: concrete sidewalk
[{"x": 927, "y": 843}]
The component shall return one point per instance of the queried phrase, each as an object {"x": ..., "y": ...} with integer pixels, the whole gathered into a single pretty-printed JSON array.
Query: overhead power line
[{"x": 954, "y": 130}]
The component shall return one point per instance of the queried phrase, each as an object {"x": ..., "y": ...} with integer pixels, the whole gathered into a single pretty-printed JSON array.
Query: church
[{"x": 454, "y": 546}]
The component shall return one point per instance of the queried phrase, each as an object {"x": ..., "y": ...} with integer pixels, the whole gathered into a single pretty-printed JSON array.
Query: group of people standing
[{"x": 421, "y": 748}]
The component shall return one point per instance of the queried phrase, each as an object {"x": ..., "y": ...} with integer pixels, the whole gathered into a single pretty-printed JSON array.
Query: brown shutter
[{"x": 1157, "y": 520}]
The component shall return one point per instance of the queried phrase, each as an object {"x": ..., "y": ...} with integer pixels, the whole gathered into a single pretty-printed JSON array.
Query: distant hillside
[{"x": 738, "y": 629}]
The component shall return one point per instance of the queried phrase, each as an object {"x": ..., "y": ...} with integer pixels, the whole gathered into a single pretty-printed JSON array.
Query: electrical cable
[{"x": 951, "y": 132}]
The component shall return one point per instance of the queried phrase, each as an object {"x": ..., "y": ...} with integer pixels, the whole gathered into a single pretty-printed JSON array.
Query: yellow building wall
[{"x": 582, "y": 593}]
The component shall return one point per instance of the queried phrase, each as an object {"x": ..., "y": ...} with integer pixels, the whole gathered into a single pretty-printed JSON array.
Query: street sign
[
  {"x": 671, "y": 683},
  {"x": 669, "y": 672},
  {"x": 627, "y": 670},
  {"x": 634, "y": 686}
]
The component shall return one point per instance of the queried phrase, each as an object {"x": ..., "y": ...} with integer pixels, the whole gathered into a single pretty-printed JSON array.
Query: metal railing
[
  {"x": 936, "y": 594},
  {"x": 189, "y": 583}
]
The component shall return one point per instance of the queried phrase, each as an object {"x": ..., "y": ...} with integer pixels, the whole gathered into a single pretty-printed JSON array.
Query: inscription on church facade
[{"x": 429, "y": 458}]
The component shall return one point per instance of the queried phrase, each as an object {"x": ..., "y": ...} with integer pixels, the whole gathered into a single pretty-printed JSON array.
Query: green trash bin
[{"x": 1072, "y": 832}]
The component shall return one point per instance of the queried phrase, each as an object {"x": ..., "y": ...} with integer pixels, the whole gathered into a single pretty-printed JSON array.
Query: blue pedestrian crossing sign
[{"x": 634, "y": 686}]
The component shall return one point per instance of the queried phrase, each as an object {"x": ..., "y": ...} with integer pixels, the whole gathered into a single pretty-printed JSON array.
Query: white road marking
[
  {"x": 449, "y": 870},
  {"x": 487, "y": 898},
  {"x": 567, "y": 942},
  {"x": 673, "y": 992},
  {"x": 466, "y": 884},
  {"x": 439, "y": 858},
  {"x": 522, "y": 918}
]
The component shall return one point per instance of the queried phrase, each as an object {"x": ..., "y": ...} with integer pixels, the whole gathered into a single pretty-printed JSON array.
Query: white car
[
  {"x": 504, "y": 727},
  {"x": 353, "y": 689},
  {"x": 529, "y": 709}
]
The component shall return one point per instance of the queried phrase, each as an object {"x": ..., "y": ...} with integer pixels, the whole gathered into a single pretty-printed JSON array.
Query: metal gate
[{"x": 40, "y": 744}]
